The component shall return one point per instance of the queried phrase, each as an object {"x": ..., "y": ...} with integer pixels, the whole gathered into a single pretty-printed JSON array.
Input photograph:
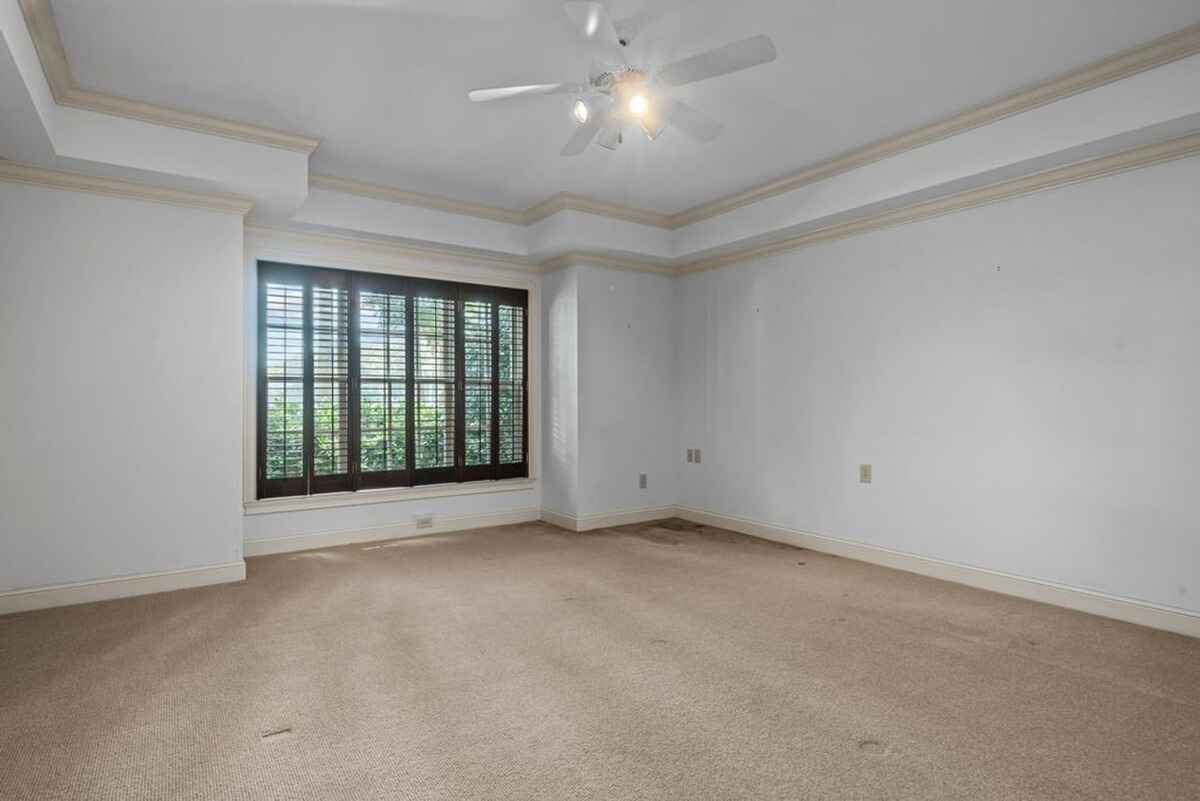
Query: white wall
[
  {"x": 626, "y": 390},
  {"x": 1037, "y": 419},
  {"x": 120, "y": 413},
  {"x": 560, "y": 394}
]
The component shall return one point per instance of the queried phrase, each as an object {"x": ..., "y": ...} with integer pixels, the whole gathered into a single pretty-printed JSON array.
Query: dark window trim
[{"x": 354, "y": 283}]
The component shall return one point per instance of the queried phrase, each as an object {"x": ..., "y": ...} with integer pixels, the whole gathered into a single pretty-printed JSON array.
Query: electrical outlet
[
  {"x": 691, "y": 455},
  {"x": 641, "y": 480},
  {"x": 697, "y": 456},
  {"x": 864, "y": 474},
  {"x": 425, "y": 522}
]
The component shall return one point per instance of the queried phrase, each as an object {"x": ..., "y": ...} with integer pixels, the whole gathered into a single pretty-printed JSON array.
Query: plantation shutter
[
  {"x": 434, "y": 402},
  {"x": 281, "y": 388},
  {"x": 369, "y": 381},
  {"x": 384, "y": 309}
]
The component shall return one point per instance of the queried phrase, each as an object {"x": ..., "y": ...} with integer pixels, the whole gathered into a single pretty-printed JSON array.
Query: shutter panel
[
  {"x": 434, "y": 386},
  {"x": 281, "y": 386},
  {"x": 478, "y": 330},
  {"x": 383, "y": 387},
  {"x": 512, "y": 390},
  {"x": 331, "y": 384}
]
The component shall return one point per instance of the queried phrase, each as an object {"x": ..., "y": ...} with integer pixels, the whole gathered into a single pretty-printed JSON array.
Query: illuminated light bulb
[
  {"x": 581, "y": 111},
  {"x": 638, "y": 105}
]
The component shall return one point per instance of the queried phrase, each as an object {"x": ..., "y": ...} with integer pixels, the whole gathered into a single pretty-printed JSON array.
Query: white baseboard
[
  {"x": 624, "y": 517},
  {"x": 1129, "y": 610},
  {"x": 84, "y": 592},
  {"x": 441, "y": 525}
]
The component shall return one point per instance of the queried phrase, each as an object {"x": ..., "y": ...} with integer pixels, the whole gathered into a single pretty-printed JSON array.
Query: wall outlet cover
[
  {"x": 691, "y": 455},
  {"x": 697, "y": 456},
  {"x": 864, "y": 474}
]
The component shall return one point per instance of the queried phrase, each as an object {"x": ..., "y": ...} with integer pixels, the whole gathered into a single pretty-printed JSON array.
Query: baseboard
[
  {"x": 595, "y": 520},
  {"x": 393, "y": 531},
  {"x": 85, "y": 592},
  {"x": 1129, "y": 610}
]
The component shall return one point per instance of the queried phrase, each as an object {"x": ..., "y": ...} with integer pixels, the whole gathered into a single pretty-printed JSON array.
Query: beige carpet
[{"x": 650, "y": 662}]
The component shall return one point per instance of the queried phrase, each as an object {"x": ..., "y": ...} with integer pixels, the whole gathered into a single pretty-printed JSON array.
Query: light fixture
[
  {"x": 581, "y": 112},
  {"x": 638, "y": 105}
]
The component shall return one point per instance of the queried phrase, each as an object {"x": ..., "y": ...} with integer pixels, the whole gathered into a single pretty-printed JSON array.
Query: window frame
[{"x": 411, "y": 287}]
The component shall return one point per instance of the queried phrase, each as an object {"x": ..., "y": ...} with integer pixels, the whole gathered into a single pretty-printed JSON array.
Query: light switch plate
[
  {"x": 697, "y": 456},
  {"x": 641, "y": 480},
  {"x": 691, "y": 455},
  {"x": 864, "y": 474}
]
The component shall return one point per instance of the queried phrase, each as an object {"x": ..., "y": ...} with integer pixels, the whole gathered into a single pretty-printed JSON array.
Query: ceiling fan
[{"x": 619, "y": 93}]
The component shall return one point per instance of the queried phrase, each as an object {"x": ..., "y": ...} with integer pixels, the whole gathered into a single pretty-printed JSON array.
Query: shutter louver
[
  {"x": 383, "y": 387},
  {"x": 512, "y": 384},
  {"x": 477, "y": 377},
  {"x": 282, "y": 353},
  {"x": 434, "y": 412},
  {"x": 331, "y": 387}
]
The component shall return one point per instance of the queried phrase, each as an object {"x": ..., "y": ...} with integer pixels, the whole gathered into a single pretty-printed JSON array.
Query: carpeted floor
[{"x": 649, "y": 662}]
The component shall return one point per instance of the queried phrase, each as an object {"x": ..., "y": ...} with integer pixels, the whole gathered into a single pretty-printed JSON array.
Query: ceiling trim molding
[
  {"x": 603, "y": 260},
  {"x": 1124, "y": 161},
  {"x": 1155, "y": 53},
  {"x": 393, "y": 194},
  {"x": 361, "y": 245},
  {"x": 565, "y": 201},
  {"x": 43, "y": 29},
  {"x": 15, "y": 172},
  {"x": 562, "y": 201}
]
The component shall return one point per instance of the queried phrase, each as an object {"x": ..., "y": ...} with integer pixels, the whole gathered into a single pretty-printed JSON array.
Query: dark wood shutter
[
  {"x": 281, "y": 387},
  {"x": 384, "y": 311},
  {"x": 513, "y": 390},
  {"x": 330, "y": 371},
  {"x": 435, "y": 401},
  {"x": 369, "y": 380}
]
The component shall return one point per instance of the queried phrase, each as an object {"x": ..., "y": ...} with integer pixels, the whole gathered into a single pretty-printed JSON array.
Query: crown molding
[
  {"x": 1124, "y": 161},
  {"x": 15, "y": 172},
  {"x": 562, "y": 201},
  {"x": 565, "y": 201},
  {"x": 1155, "y": 53},
  {"x": 43, "y": 29},
  {"x": 603, "y": 260},
  {"x": 392, "y": 194},
  {"x": 369, "y": 246}
]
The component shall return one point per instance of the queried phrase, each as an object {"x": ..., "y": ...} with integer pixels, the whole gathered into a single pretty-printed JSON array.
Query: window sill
[{"x": 331, "y": 500}]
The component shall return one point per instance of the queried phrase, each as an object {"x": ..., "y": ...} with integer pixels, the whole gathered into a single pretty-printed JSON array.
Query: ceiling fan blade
[
  {"x": 696, "y": 124},
  {"x": 593, "y": 22},
  {"x": 656, "y": 118},
  {"x": 505, "y": 92},
  {"x": 610, "y": 137},
  {"x": 632, "y": 26},
  {"x": 583, "y": 136},
  {"x": 721, "y": 61}
]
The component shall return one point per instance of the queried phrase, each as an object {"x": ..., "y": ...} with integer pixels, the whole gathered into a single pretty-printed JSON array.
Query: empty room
[{"x": 527, "y": 400}]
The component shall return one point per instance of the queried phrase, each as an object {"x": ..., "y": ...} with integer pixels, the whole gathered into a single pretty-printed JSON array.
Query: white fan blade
[
  {"x": 505, "y": 92},
  {"x": 610, "y": 137},
  {"x": 696, "y": 124},
  {"x": 631, "y": 27},
  {"x": 592, "y": 22},
  {"x": 583, "y": 136},
  {"x": 722, "y": 61}
]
